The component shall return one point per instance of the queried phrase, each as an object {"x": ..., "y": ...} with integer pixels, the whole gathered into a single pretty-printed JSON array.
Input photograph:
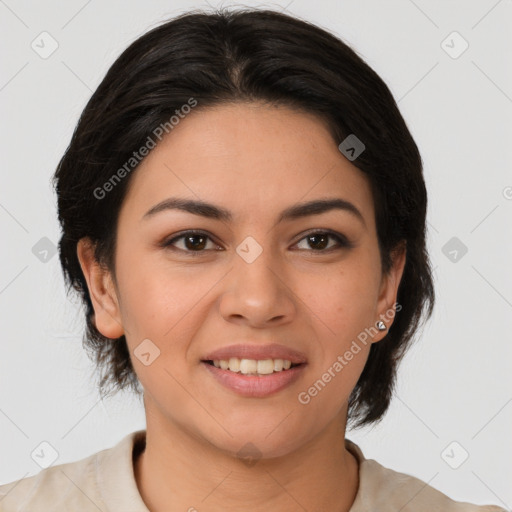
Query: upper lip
[{"x": 247, "y": 351}]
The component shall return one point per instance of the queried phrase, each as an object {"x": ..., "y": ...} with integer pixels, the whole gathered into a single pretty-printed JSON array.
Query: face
[{"x": 310, "y": 283}]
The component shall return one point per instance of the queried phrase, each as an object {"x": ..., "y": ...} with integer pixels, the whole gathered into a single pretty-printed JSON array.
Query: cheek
[
  {"x": 158, "y": 306},
  {"x": 154, "y": 297},
  {"x": 164, "y": 305},
  {"x": 329, "y": 390},
  {"x": 343, "y": 299}
]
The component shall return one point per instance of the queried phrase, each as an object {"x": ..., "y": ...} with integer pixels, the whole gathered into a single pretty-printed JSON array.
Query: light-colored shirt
[{"x": 105, "y": 482}]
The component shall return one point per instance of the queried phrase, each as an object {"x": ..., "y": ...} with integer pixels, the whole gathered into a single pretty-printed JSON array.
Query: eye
[
  {"x": 318, "y": 241},
  {"x": 194, "y": 242}
]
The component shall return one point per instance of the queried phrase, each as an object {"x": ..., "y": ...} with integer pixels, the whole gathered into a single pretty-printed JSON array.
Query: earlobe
[
  {"x": 101, "y": 288},
  {"x": 389, "y": 289}
]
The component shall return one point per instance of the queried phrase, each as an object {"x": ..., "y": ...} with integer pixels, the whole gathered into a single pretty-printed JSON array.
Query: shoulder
[
  {"x": 88, "y": 484},
  {"x": 384, "y": 489},
  {"x": 52, "y": 487}
]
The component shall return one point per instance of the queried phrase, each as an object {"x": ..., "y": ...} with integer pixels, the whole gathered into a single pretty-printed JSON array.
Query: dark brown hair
[{"x": 246, "y": 55}]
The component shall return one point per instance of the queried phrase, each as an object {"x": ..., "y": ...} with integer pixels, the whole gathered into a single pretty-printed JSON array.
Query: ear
[
  {"x": 107, "y": 316},
  {"x": 389, "y": 290}
]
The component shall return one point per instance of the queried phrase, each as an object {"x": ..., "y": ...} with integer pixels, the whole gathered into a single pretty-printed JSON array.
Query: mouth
[
  {"x": 255, "y": 370},
  {"x": 253, "y": 378},
  {"x": 253, "y": 367}
]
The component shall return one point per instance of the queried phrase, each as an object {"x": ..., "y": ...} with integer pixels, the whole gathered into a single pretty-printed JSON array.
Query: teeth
[
  {"x": 234, "y": 364},
  {"x": 265, "y": 366},
  {"x": 248, "y": 366},
  {"x": 253, "y": 366}
]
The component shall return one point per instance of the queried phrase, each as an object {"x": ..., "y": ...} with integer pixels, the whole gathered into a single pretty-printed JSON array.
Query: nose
[{"x": 257, "y": 294}]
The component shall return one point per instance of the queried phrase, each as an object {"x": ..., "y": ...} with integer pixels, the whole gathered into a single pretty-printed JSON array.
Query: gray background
[{"x": 454, "y": 384}]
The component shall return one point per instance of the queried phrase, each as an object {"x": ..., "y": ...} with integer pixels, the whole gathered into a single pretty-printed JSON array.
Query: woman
[{"x": 243, "y": 214}]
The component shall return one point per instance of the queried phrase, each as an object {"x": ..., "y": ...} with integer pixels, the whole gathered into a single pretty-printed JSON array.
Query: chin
[{"x": 254, "y": 440}]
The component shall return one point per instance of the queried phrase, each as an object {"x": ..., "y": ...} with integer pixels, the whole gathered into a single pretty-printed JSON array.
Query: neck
[{"x": 179, "y": 472}]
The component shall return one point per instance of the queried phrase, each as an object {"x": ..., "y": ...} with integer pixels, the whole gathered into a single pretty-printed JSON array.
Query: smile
[
  {"x": 254, "y": 378},
  {"x": 253, "y": 366}
]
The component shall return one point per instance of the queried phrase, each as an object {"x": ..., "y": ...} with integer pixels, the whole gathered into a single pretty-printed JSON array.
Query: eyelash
[{"x": 342, "y": 241}]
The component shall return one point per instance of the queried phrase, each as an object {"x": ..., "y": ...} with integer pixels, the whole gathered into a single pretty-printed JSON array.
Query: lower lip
[{"x": 254, "y": 385}]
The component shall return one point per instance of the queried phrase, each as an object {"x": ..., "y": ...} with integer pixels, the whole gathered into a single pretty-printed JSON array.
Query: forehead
[{"x": 248, "y": 157}]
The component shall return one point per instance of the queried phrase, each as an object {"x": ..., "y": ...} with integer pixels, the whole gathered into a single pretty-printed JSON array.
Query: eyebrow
[{"x": 204, "y": 209}]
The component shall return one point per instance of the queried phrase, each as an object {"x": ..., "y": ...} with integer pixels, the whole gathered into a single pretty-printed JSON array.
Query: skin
[{"x": 254, "y": 160}]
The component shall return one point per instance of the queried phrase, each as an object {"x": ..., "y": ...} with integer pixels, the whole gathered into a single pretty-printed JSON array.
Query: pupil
[
  {"x": 195, "y": 246},
  {"x": 319, "y": 241},
  {"x": 322, "y": 245}
]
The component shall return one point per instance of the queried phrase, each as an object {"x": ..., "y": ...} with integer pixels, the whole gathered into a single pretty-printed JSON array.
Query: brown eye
[
  {"x": 318, "y": 241},
  {"x": 193, "y": 242}
]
